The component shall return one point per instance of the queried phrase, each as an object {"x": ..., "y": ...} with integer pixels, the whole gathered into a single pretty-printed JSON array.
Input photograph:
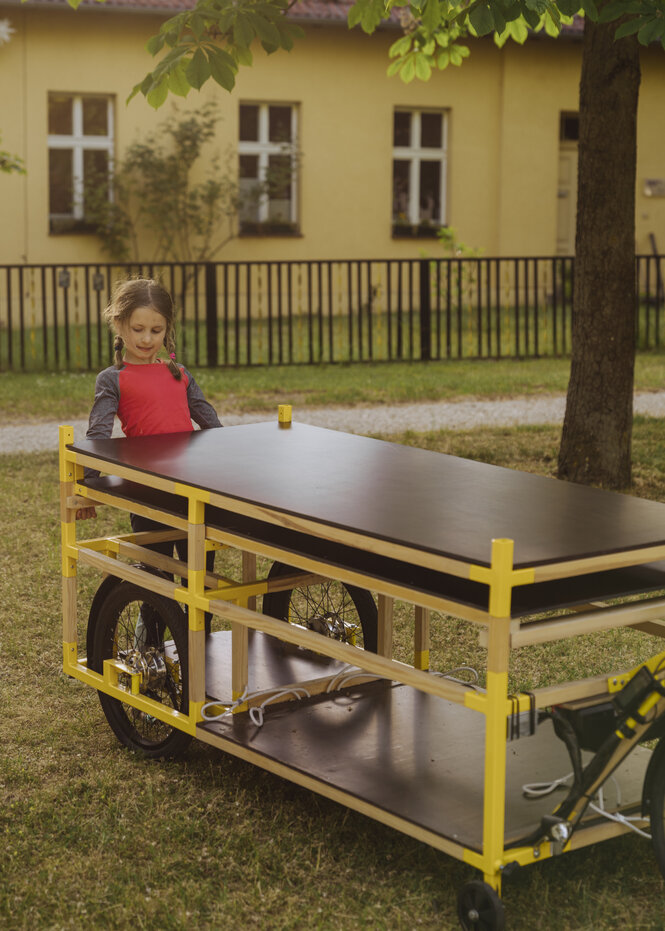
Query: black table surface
[{"x": 424, "y": 500}]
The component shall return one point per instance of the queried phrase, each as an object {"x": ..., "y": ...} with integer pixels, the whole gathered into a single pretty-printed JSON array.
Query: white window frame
[
  {"x": 78, "y": 143},
  {"x": 264, "y": 148},
  {"x": 414, "y": 154}
]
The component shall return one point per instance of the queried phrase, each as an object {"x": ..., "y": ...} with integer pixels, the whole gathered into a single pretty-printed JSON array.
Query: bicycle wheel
[
  {"x": 343, "y": 612},
  {"x": 657, "y": 806},
  {"x": 148, "y": 633}
]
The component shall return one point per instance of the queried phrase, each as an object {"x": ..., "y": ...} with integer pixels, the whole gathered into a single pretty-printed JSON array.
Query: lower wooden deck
[{"x": 385, "y": 745}]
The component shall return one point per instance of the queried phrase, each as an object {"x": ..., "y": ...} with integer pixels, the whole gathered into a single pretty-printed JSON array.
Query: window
[
  {"x": 569, "y": 127},
  {"x": 268, "y": 168},
  {"x": 419, "y": 172},
  {"x": 80, "y": 151}
]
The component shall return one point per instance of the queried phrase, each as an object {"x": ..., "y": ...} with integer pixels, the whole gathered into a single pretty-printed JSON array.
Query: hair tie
[{"x": 172, "y": 356}]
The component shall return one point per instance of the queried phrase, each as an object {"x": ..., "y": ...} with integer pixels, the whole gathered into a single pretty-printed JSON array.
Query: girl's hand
[{"x": 85, "y": 513}]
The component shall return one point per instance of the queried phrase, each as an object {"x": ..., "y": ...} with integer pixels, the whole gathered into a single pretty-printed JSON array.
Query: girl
[{"x": 148, "y": 394}]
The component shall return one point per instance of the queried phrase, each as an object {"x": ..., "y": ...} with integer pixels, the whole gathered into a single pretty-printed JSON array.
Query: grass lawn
[
  {"x": 95, "y": 837},
  {"x": 65, "y": 396}
]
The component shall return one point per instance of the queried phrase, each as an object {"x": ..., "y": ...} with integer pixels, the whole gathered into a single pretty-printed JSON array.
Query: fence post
[
  {"x": 425, "y": 311},
  {"x": 212, "y": 357}
]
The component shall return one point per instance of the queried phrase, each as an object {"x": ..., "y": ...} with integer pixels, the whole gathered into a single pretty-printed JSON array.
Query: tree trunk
[{"x": 596, "y": 439}]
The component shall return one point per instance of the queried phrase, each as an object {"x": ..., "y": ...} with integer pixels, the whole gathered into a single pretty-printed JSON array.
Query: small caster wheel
[{"x": 479, "y": 907}]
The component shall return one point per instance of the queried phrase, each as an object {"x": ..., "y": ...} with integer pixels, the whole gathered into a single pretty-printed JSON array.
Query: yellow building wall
[{"x": 503, "y": 138}]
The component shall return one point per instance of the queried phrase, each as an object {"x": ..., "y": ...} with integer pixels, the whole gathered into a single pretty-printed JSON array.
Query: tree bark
[{"x": 596, "y": 439}]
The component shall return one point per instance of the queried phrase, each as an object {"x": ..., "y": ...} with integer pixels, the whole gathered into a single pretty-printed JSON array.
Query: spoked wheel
[
  {"x": 147, "y": 633},
  {"x": 657, "y": 806},
  {"x": 479, "y": 907},
  {"x": 342, "y": 612}
]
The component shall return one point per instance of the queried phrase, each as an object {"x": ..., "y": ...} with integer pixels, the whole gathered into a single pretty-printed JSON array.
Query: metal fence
[{"x": 267, "y": 313}]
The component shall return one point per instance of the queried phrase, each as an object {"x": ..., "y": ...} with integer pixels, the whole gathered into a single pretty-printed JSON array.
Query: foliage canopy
[{"x": 213, "y": 39}]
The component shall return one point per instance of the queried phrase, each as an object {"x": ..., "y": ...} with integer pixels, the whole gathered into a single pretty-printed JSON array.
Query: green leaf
[
  {"x": 354, "y": 15},
  {"x": 243, "y": 32},
  {"x": 394, "y": 67},
  {"x": 267, "y": 31},
  {"x": 518, "y": 31},
  {"x": 423, "y": 67},
  {"x": 155, "y": 44},
  {"x": 500, "y": 38},
  {"x": 177, "y": 80},
  {"x": 159, "y": 93},
  {"x": 221, "y": 72},
  {"x": 628, "y": 28},
  {"x": 590, "y": 9},
  {"x": 615, "y": 9},
  {"x": 408, "y": 72},
  {"x": 198, "y": 69},
  {"x": 197, "y": 25},
  {"x": 244, "y": 56},
  {"x": 371, "y": 18},
  {"x": 431, "y": 15},
  {"x": 651, "y": 31},
  {"x": 458, "y": 53},
  {"x": 569, "y": 7},
  {"x": 443, "y": 60},
  {"x": 532, "y": 18},
  {"x": 552, "y": 28},
  {"x": 400, "y": 47},
  {"x": 481, "y": 19}
]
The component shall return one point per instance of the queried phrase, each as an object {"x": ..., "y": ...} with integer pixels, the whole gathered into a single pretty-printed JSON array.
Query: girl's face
[{"x": 143, "y": 335}]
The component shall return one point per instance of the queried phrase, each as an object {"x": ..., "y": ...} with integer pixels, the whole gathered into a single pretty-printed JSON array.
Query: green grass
[
  {"x": 95, "y": 837},
  {"x": 63, "y": 395}
]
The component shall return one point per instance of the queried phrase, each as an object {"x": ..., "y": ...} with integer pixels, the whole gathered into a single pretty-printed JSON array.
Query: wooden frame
[{"x": 494, "y": 842}]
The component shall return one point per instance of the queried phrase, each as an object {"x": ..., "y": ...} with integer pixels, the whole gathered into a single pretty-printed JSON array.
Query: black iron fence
[{"x": 267, "y": 313}]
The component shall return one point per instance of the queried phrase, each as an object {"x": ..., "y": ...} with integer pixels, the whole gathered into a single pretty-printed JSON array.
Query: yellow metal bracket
[
  {"x": 113, "y": 669},
  {"x": 501, "y": 577}
]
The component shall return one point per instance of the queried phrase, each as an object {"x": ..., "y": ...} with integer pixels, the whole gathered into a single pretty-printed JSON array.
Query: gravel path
[{"x": 436, "y": 415}]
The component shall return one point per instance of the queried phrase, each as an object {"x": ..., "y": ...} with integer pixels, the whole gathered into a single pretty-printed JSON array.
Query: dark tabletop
[{"x": 434, "y": 502}]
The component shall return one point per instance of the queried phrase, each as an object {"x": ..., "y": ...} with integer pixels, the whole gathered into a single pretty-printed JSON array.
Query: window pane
[
  {"x": 249, "y": 166},
  {"x": 401, "y": 191},
  {"x": 60, "y": 181},
  {"x": 95, "y": 116},
  {"x": 279, "y": 177},
  {"x": 249, "y": 122},
  {"x": 249, "y": 188},
  {"x": 95, "y": 178},
  {"x": 430, "y": 191},
  {"x": 569, "y": 127},
  {"x": 279, "y": 124},
  {"x": 60, "y": 122},
  {"x": 431, "y": 125},
  {"x": 279, "y": 188},
  {"x": 402, "y": 128}
]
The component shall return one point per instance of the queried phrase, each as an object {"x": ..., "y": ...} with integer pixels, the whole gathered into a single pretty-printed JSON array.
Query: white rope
[
  {"x": 348, "y": 674},
  {"x": 228, "y": 709},
  {"x": 255, "y": 712},
  {"x": 539, "y": 789},
  {"x": 451, "y": 674}
]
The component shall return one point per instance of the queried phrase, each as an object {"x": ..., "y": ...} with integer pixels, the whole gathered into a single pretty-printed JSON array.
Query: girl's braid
[
  {"x": 118, "y": 345},
  {"x": 169, "y": 345}
]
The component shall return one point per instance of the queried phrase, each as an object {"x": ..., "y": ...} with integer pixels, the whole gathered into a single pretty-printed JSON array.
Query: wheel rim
[
  {"x": 329, "y": 609},
  {"x": 345, "y": 612},
  {"x": 142, "y": 640}
]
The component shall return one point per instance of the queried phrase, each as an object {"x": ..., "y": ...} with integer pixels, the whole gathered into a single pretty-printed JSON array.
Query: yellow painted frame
[{"x": 235, "y": 602}]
